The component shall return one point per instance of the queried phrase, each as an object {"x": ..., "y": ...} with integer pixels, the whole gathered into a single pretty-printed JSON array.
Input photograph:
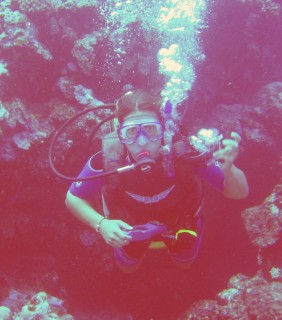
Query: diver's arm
[
  {"x": 113, "y": 231},
  {"x": 235, "y": 182},
  {"x": 82, "y": 210}
]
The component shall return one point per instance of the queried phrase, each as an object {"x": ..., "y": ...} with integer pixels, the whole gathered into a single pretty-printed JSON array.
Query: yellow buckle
[{"x": 191, "y": 232}]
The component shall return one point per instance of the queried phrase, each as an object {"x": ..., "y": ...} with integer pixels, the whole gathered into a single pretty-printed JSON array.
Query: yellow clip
[
  {"x": 191, "y": 232},
  {"x": 157, "y": 245}
]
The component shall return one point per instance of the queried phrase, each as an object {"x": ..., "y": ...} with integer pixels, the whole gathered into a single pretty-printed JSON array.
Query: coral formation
[
  {"x": 83, "y": 51},
  {"x": 3, "y": 69},
  {"x": 31, "y": 6},
  {"x": 5, "y": 313},
  {"x": 246, "y": 298},
  {"x": 35, "y": 5},
  {"x": 18, "y": 31},
  {"x": 40, "y": 306},
  {"x": 27, "y": 129},
  {"x": 263, "y": 222}
]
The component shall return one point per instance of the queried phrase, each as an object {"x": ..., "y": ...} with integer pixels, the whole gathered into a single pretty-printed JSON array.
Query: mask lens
[
  {"x": 151, "y": 130},
  {"x": 128, "y": 134}
]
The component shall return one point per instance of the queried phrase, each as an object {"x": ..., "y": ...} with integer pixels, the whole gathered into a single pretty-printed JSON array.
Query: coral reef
[
  {"x": 264, "y": 226},
  {"x": 83, "y": 51},
  {"x": 18, "y": 31},
  {"x": 60, "y": 56},
  {"x": 20, "y": 129},
  {"x": 264, "y": 222},
  {"x": 268, "y": 105},
  {"x": 35, "y": 5},
  {"x": 39, "y": 5},
  {"x": 5, "y": 313},
  {"x": 245, "y": 298},
  {"x": 39, "y": 306}
]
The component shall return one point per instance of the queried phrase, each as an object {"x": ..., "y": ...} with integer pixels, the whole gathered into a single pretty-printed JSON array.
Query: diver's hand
[
  {"x": 227, "y": 155},
  {"x": 115, "y": 233}
]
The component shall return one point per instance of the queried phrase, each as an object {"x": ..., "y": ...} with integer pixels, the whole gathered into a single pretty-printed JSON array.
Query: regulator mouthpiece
[{"x": 144, "y": 162}]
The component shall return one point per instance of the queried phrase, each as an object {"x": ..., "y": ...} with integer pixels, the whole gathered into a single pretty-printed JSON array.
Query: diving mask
[{"x": 128, "y": 134}]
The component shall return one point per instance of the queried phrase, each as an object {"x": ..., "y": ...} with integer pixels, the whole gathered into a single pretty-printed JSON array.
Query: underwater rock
[
  {"x": 265, "y": 301},
  {"x": 21, "y": 127},
  {"x": 85, "y": 96},
  {"x": 18, "y": 31},
  {"x": 4, "y": 114},
  {"x": 15, "y": 300},
  {"x": 45, "y": 307},
  {"x": 245, "y": 298},
  {"x": 264, "y": 222},
  {"x": 268, "y": 107},
  {"x": 3, "y": 69},
  {"x": 262, "y": 118},
  {"x": 35, "y": 5},
  {"x": 84, "y": 53},
  {"x": 47, "y": 5},
  {"x": 66, "y": 86},
  {"x": 5, "y": 313}
]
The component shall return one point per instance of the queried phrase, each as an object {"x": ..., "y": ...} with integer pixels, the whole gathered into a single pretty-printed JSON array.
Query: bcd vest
[{"x": 138, "y": 197}]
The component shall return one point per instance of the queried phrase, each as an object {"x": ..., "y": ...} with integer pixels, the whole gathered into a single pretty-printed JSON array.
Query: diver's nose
[{"x": 142, "y": 140}]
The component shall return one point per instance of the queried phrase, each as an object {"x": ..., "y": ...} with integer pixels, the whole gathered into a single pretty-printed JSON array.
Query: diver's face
[{"x": 142, "y": 132}]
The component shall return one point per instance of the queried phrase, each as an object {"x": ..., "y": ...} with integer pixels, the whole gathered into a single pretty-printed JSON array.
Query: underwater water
[{"x": 219, "y": 63}]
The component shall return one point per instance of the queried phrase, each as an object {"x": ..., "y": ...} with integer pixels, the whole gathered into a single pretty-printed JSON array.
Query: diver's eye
[
  {"x": 131, "y": 132},
  {"x": 150, "y": 129}
]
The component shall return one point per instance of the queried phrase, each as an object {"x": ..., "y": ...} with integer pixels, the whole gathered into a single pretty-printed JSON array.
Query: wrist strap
[{"x": 99, "y": 224}]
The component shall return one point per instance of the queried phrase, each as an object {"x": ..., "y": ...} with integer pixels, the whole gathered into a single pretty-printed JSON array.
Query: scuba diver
[{"x": 159, "y": 203}]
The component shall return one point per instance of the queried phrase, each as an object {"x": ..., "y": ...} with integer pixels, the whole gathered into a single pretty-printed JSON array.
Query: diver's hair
[{"x": 138, "y": 100}]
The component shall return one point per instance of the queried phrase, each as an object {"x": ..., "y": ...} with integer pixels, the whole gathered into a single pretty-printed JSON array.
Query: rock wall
[{"x": 52, "y": 66}]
